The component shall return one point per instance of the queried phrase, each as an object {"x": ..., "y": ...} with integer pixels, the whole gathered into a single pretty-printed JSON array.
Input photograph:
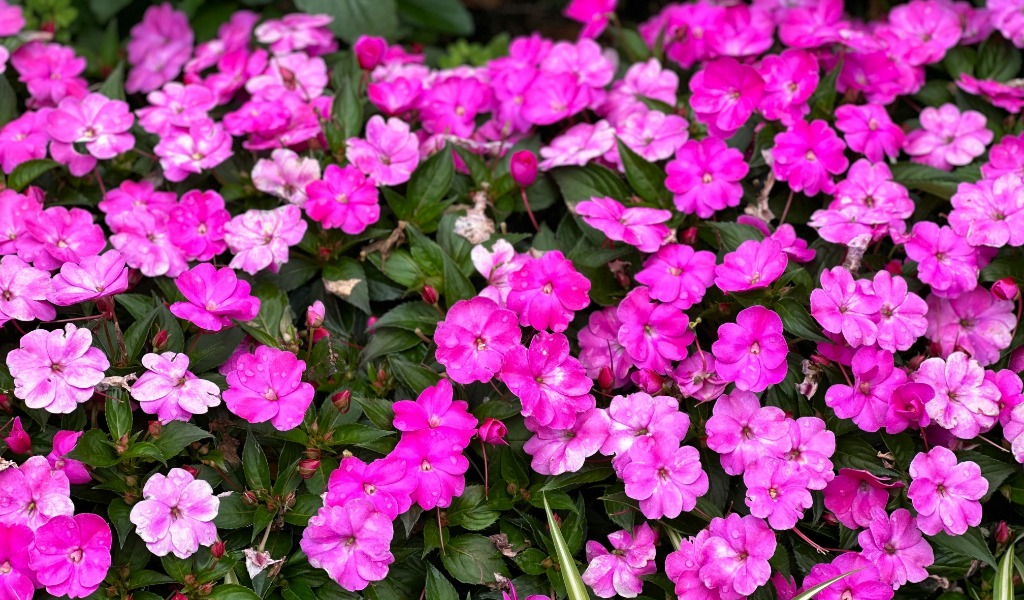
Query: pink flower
[
  {"x": 352, "y": 543},
  {"x": 63, "y": 443},
  {"x": 18, "y": 440},
  {"x": 880, "y": 201},
  {"x": 557, "y": 451},
  {"x": 928, "y": 28},
  {"x": 862, "y": 584},
  {"x": 975, "y": 322},
  {"x": 652, "y": 134},
  {"x": 204, "y": 145},
  {"x": 50, "y": 71},
  {"x": 285, "y": 175},
  {"x": 697, "y": 378},
  {"x": 497, "y": 266},
  {"x": 777, "y": 491},
  {"x": 868, "y": 129},
  {"x": 901, "y": 319},
  {"x": 1007, "y": 19},
  {"x": 678, "y": 275},
  {"x": 549, "y": 97},
  {"x": 298, "y": 31},
  {"x": 23, "y": 292},
  {"x": 1009, "y": 95},
  {"x": 752, "y": 351},
  {"x": 389, "y": 154},
  {"x": 16, "y": 578},
  {"x": 664, "y": 477},
  {"x": 71, "y": 555},
  {"x": 735, "y": 555},
  {"x": 753, "y": 265},
  {"x": 214, "y": 297},
  {"x": 176, "y": 106},
  {"x": 896, "y": 547},
  {"x": 547, "y": 291},
  {"x": 725, "y": 94},
  {"x": 267, "y": 386},
  {"x": 434, "y": 418},
  {"x": 948, "y": 138},
  {"x": 790, "y": 79},
  {"x": 159, "y": 47},
  {"x": 344, "y": 199},
  {"x": 438, "y": 469},
  {"x": 600, "y": 347},
  {"x": 945, "y": 493},
  {"x": 964, "y": 403},
  {"x": 146, "y": 244},
  {"x": 58, "y": 235},
  {"x": 473, "y": 339},
  {"x": 845, "y": 306},
  {"x": 170, "y": 391},
  {"x": 260, "y": 238},
  {"x": 640, "y": 415},
  {"x": 98, "y": 122},
  {"x": 906, "y": 407},
  {"x": 806, "y": 155},
  {"x": 451, "y": 106},
  {"x": 383, "y": 483},
  {"x": 93, "y": 278},
  {"x": 176, "y": 514},
  {"x": 56, "y": 370},
  {"x": 1004, "y": 157},
  {"x": 743, "y": 431},
  {"x": 812, "y": 444},
  {"x": 637, "y": 226},
  {"x": 197, "y": 224},
  {"x": 296, "y": 73},
  {"x": 369, "y": 51},
  {"x": 23, "y": 139},
  {"x": 33, "y": 494},
  {"x": 854, "y": 496},
  {"x": 990, "y": 213},
  {"x": 653, "y": 334},
  {"x": 618, "y": 573},
  {"x": 552, "y": 385},
  {"x": 594, "y": 16},
  {"x": 12, "y": 19},
  {"x": 867, "y": 400},
  {"x": 579, "y": 145},
  {"x": 493, "y": 432},
  {"x": 705, "y": 177},
  {"x": 945, "y": 260}
]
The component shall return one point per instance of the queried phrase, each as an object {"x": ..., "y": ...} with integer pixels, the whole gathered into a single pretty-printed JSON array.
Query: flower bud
[
  {"x": 493, "y": 432},
  {"x": 1017, "y": 360},
  {"x": 829, "y": 518},
  {"x": 370, "y": 51},
  {"x": 193, "y": 471},
  {"x": 315, "y": 315},
  {"x": 371, "y": 322},
  {"x": 605, "y": 378},
  {"x": 820, "y": 360},
  {"x": 648, "y": 380},
  {"x": 1002, "y": 533},
  {"x": 106, "y": 306},
  {"x": 206, "y": 589},
  {"x": 320, "y": 333},
  {"x": 1005, "y": 289},
  {"x": 217, "y": 549},
  {"x": 155, "y": 429},
  {"x": 308, "y": 467},
  {"x": 249, "y": 498},
  {"x": 524, "y": 168},
  {"x": 5, "y": 404},
  {"x": 894, "y": 267},
  {"x": 429, "y": 295},
  {"x": 18, "y": 440},
  {"x": 160, "y": 341},
  {"x": 688, "y": 236},
  {"x": 342, "y": 400}
]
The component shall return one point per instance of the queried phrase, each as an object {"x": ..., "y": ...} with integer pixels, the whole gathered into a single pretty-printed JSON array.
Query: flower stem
[
  {"x": 815, "y": 545},
  {"x": 529, "y": 211}
]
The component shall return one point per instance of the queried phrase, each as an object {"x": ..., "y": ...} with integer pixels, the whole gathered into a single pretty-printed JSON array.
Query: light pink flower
[
  {"x": 297, "y": 73},
  {"x": 946, "y": 262},
  {"x": 777, "y": 490},
  {"x": 697, "y": 378},
  {"x": 600, "y": 347},
  {"x": 653, "y": 334},
  {"x": 56, "y": 370},
  {"x": 812, "y": 447},
  {"x": 32, "y": 494},
  {"x": 866, "y": 401},
  {"x": 473, "y": 339},
  {"x": 549, "y": 97},
  {"x": 146, "y": 243},
  {"x": 945, "y": 493},
  {"x": 752, "y": 351},
  {"x": 71, "y": 555},
  {"x": 594, "y": 16},
  {"x": 725, "y": 94},
  {"x": 260, "y": 238},
  {"x": 652, "y": 134},
  {"x": 285, "y": 175},
  {"x": 557, "y": 451},
  {"x": 705, "y": 177},
  {"x": 640, "y": 227},
  {"x": 94, "y": 277},
  {"x": 58, "y": 235},
  {"x": 344, "y": 199},
  {"x": 63, "y": 443},
  {"x": 434, "y": 419},
  {"x": 51, "y": 72},
  {"x": 176, "y": 514},
  {"x": 497, "y": 265},
  {"x": 552, "y": 385},
  {"x": 868, "y": 129},
  {"x": 948, "y": 138},
  {"x": 845, "y": 306},
  {"x": 735, "y": 556},
  {"x": 990, "y": 212},
  {"x": 579, "y": 145},
  {"x": 23, "y": 139},
  {"x": 1007, "y": 19},
  {"x": 618, "y": 573},
  {"x": 547, "y": 291},
  {"x": 1006, "y": 95},
  {"x": 927, "y": 27},
  {"x": 170, "y": 391},
  {"x": 12, "y": 19},
  {"x": 965, "y": 403},
  {"x": 298, "y": 31},
  {"x": 975, "y": 322},
  {"x": 197, "y": 224},
  {"x": 214, "y": 297},
  {"x": 389, "y": 153},
  {"x": 854, "y": 496},
  {"x": 352, "y": 543},
  {"x": 159, "y": 47},
  {"x": 640, "y": 415},
  {"x": 753, "y": 265},
  {"x": 895, "y": 546},
  {"x": 204, "y": 145},
  {"x": 901, "y": 316},
  {"x": 24, "y": 291},
  {"x": 98, "y": 122},
  {"x": 664, "y": 477},
  {"x": 176, "y": 106},
  {"x": 743, "y": 431}
]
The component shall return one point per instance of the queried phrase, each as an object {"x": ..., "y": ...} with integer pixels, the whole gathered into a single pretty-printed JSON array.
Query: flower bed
[{"x": 294, "y": 311}]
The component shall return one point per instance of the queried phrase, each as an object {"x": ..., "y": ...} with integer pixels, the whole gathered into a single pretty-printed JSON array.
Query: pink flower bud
[
  {"x": 308, "y": 467},
  {"x": 249, "y": 498},
  {"x": 371, "y": 322},
  {"x": 605, "y": 378},
  {"x": 315, "y": 315},
  {"x": 1005, "y": 289},
  {"x": 5, "y": 404},
  {"x": 1017, "y": 360},
  {"x": 688, "y": 236},
  {"x": 1002, "y": 533},
  {"x": 194, "y": 472},
  {"x": 524, "y": 168},
  {"x": 894, "y": 267},
  {"x": 160, "y": 341},
  {"x": 18, "y": 440},
  {"x": 320, "y": 333},
  {"x": 429, "y": 295},
  {"x": 217, "y": 549},
  {"x": 370, "y": 51},
  {"x": 155, "y": 428},
  {"x": 342, "y": 400},
  {"x": 493, "y": 432},
  {"x": 648, "y": 380}
]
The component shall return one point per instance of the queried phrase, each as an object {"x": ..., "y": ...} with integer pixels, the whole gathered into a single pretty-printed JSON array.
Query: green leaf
[
  {"x": 854, "y": 452},
  {"x": 903, "y": 449},
  {"x": 430, "y": 182},
  {"x": 730, "y": 234},
  {"x": 119, "y": 416},
  {"x": 378, "y": 410},
  {"x": 347, "y": 110},
  {"x": 411, "y": 316},
  {"x": 137, "y": 335},
  {"x": 647, "y": 179},
  {"x": 353, "y": 18},
  {"x": 137, "y": 305},
  {"x": 473, "y": 559},
  {"x": 796, "y": 320},
  {"x": 104, "y": 10},
  {"x": 814, "y": 591},
  {"x": 823, "y": 100},
  {"x": 266, "y": 327},
  {"x": 119, "y": 511},
  {"x": 388, "y": 341},
  {"x": 113, "y": 87},
  {"x": 213, "y": 350},
  {"x": 583, "y": 183},
  {"x": 94, "y": 449},
  {"x": 928, "y": 179},
  {"x": 27, "y": 172},
  {"x": 232, "y": 591},
  {"x": 588, "y": 474},
  {"x": 356, "y": 433},
  {"x": 438, "y": 586},
  {"x": 997, "y": 59},
  {"x": 176, "y": 435},
  {"x": 306, "y": 505},
  {"x": 574, "y": 587},
  {"x": 469, "y": 510},
  {"x": 254, "y": 464},
  {"x": 970, "y": 544},
  {"x": 145, "y": 578},
  {"x": 1002, "y": 586},
  {"x": 8, "y": 101},
  {"x": 960, "y": 59},
  {"x": 415, "y": 377},
  {"x": 338, "y": 279},
  {"x": 443, "y": 16},
  {"x": 234, "y": 513}
]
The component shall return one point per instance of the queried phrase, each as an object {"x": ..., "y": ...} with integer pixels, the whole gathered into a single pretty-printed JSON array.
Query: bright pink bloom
[
  {"x": 895, "y": 546},
  {"x": 653, "y": 334},
  {"x": 854, "y": 496},
  {"x": 18, "y": 440},
  {"x": 990, "y": 213},
  {"x": 683, "y": 566},
  {"x": 176, "y": 514},
  {"x": 948, "y": 138},
  {"x": 473, "y": 339},
  {"x": 867, "y": 400},
  {"x": 1010, "y": 387},
  {"x": 285, "y": 175},
  {"x": 24, "y": 139},
  {"x": 579, "y": 145},
  {"x": 16, "y": 577},
  {"x": 63, "y": 443},
  {"x": 493, "y": 432},
  {"x": 267, "y": 386},
  {"x": 58, "y": 235},
  {"x": 144, "y": 240},
  {"x": 725, "y": 94},
  {"x": 23, "y": 292},
  {"x": 369, "y": 51},
  {"x": 71, "y": 555},
  {"x": 946, "y": 493},
  {"x": 352, "y": 543},
  {"x": 552, "y": 385},
  {"x": 653, "y": 134},
  {"x": 451, "y": 106},
  {"x": 176, "y": 106},
  {"x": 678, "y": 275},
  {"x": 906, "y": 407},
  {"x": 965, "y": 403},
  {"x": 50, "y": 71},
  {"x": 214, "y": 297},
  {"x": 434, "y": 418},
  {"x": 697, "y": 378},
  {"x": 880, "y": 201},
  {"x": 438, "y": 470},
  {"x": 299, "y": 31},
  {"x": 98, "y": 122},
  {"x": 806, "y": 156},
  {"x": 845, "y": 306},
  {"x": 812, "y": 445},
  {"x": 94, "y": 277},
  {"x": 741, "y": 31},
  {"x": 735, "y": 555},
  {"x": 12, "y": 21},
  {"x": 640, "y": 415},
  {"x": 641, "y": 227},
  {"x": 497, "y": 266},
  {"x": 204, "y": 145},
  {"x": 345, "y": 199},
  {"x": 594, "y": 16},
  {"x": 868, "y": 129},
  {"x": 296, "y": 73},
  {"x": 928, "y": 28},
  {"x": 557, "y": 451},
  {"x": 197, "y": 224},
  {"x": 547, "y": 291},
  {"x": 260, "y": 238},
  {"x": 901, "y": 319},
  {"x": 753, "y": 265},
  {"x": 551, "y": 97},
  {"x": 790, "y": 79},
  {"x": 170, "y": 391},
  {"x": 665, "y": 478},
  {"x": 752, "y": 351},
  {"x": 600, "y": 347},
  {"x": 974, "y": 322},
  {"x": 945, "y": 260},
  {"x": 862, "y": 584},
  {"x": 705, "y": 177},
  {"x": 32, "y": 494},
  {"x": 743, "y": 431},
  {"x": 383, "y": 483},
  {"x": 1007, "y": 19},
  {"x": 56, "y": 370},
  {"x": 389, "y": 154},
  {"x": 1009, "y": 95},
  {"x": 777, "y": 491},
  {"x": 618, "y": 573},
  {"x": 159, "y": 47}
]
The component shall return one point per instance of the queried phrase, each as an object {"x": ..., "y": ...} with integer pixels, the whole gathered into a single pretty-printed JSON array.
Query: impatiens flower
[
  {"x": 894, "y": 544},
  {"x": 752, "y": 351},
  {"x": 147, "y": 246},
  {"x": 1006, "y": 95},
  {"x": 299, "y": 31},
  {"x": 176, "y": 106},
  {"x": 295, "y": 73},
  {"x": 812, "y": 444},
  {"x": 557, "y": 451},
  {"x": 725, "y": 94},
  {"x": 867, "y": 401},
  {"x": 906, "y": 407},
  {"x": 705, "y": 177},
  {"x": 438, "y": 468},
  {"x": 473, "y": 339},
  {"x": 197, "y": 224},
  {"x": 854, "y": 495},
  {"x": 735, "y": 556},
  {"x": 753, "y": 265},
  {"x": 214, "y": 297},
  {"x": 1005, "y": 157},
  {"x": 204, "y": 145},
  {"x": 15, "y": 574},
  {"x": 58, "y": 235},
  {"x": 868, "y": 129},
  {"x": 678, "y": 275},
  {"x": 1006, "y": 18},
  {"x": 56, "y": 370},
  {"x": 159, "y": 47},
  {"x": 18, "y": 440},
  {"x": 945, "y": 493},
  {"x": 579, "y": 145},
  {"x": 901, "y": 317},
  {"x": 497, "y": 266},
  {"x": 434, "y": 418},
  {"x": 547, "y": 291},
  {"x": 860, "y": 583},
  {"x": 845, "y": 306},
  {"x": 383, "y": 483},
  {"x": 260, "y": 238},
  {"x": 640, "y": 415},
  {"x": 653, "y": 334},
  {"x": 965, "y": 403},
  {"x": 285, "y": 175},
  {"x": 51, "y": 72},
  {"x": 665, "y": 478},
  {"x": 552, "y": 385},
  {"x": 12, "y": 19},
  {"x": 94, "y": 277},
  {"x": 945, "y": 260},
  {"x": 71, "y": 555},
  {"x": 975, "y": 322},
  {"x": 777, "y": 491},
  {"x": 24, "y": 291},
  {"x": 652, "y": 134},
  {"x": 98, "y": 122},
  {"x": 389, "y": 154},
  {"x": 594, "y": 16},
  {"x": 32, "y": 494},
  {"x": 547, "y": 98},
  {"x": 640, "y": 227},
  {"x": 176, "y": 514},
  {"x": 352, "y": 543},
  {"x": 869, "y": 187},
  {"x": 600, "y": 347},
  {"x": 23, "y": 139},
  {"x": 948, "y": 138},
  {"x": 697, "y": 378},
  {"x": 807, "y": 155},
  {"x": 743, "y": 431},
  {"x": 618, "y": 573},
  {"x": 790, "y": 79},
  {"x": 493, "y": 432},
  {"x": 344, "y": 199},
  {"x": 63, "y": 443},
  {"x": 929, "y": 29},
  {"x": 267, "y": 386},
  {"x": 990, "y": 213},
  {"x": 170, "y": 391}
]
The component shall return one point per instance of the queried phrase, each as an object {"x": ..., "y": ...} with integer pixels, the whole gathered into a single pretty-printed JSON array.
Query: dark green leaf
[
  {"x": 438, "y": 586},
  {"x": 176, "y": 435},
  {"x": 730, "y": 234},
  {"x": 592, "y": 181},
  {"x": 8, "y": 101},
  {"x": 998, "y": 59},
  {"x": 27, "y": 172},
  {"x": 254, "y": 464},
  {"x": 854, "y": 452},
  {"x": 119, "y": 416},
  {"x": 113, "y": 87},
  {"x": 353, "y": 18},
  {"x": 378, "y": 410},
  {"x": 411, "y": 316},
  {"x": 119, "y": 512},
  {"x": 346, "y": 279},
  {"x": 94, "y": 449},
  {"x": 306, "y": 505},
  {"x": 389, "y": 341},
  {"x": 970, "y": 544},
  {"x": 470, "y": 511},
  {"x": 647, "y": 179},
  {"x": 431, "y": 180},
  {"x": 137, "y": 335},
  {"x": 443, "y": 16},
  {"x": 232, "y": 591},
  {"x": 473, "y": 559},
  {"x": 415, "y": 377},
  {"x": 234, "y": 513},
  {"x": 796, "y": 320},
  {"x": 213, "y": 350}
]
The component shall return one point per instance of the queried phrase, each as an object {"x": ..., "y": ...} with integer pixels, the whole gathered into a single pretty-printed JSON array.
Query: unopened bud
[
  {"x": 605, "y": 379},
  {"x": 371, "y": 322},
  {"x": 179, "y": 596},
  {"x": 688, "y": 236},
  {"x": 249, "y": 498},
  {"x": 820, "y": 360},
  {"x": 206, "y": 589},
  {"x": 194, "y": 472},
  {"x": 894, "y": 267},
  {"x": 342, "y": 400},
  {"x": 308, "y": 467},
  {"x": 320, "y": 333},
  {"x": 524, "y": 168},
  {"x": 315, "y": 315},
  {"x": 916, "y": 361},
  {"x": 1005, "y": 289},
  {"x": 370, "y": 51},
  {"x": 1016, "y": 363},
  {"x": 155, "y": 428},
  {"x": 217, "y": 549},
  {"x": 1002, "y": 533},
  {"x": 829, "y": 518},
  {"x": 106, "y": 306},
  {"x": 5, "y": 404},
  {"x": 429, "y": 295},
  {"x": 160, "y": 341},
  {"x": 649, "y": 381},
  {"x": 493, "y": 432},
  {"x": 122, "y": 444}
]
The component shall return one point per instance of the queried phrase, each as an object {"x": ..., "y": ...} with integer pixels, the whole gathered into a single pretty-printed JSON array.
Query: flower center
[
  {"x": 706, "y": 178},
  {"x": 755, "y": 277},
  {"x": 76, "y": 555},
  {"x": 548, "y": 288},
  {"x": 425, "y": 466},
  {"x": 270, "y": 394},
  {"x": 435, "y": 421},
  {"x": 810, "y": 156},
  {"x": 5, "y": 568},
  {"x": 663, "y": 474},
  {"x": 197, "y": 156},
  {"x": 175, "y": 512},
  {"x": 673, "y": 271},
  {"x": 773, "y": 493},
  {"x": 370, "y": 489},
  {"x": 864, "y": 387},
  {"x": 755, "y": 348},
  {"x": 889, "y": 549},
  {"x": 481, "y": 344},
  {"x": 341, "y": 198},
  {"x": 57, "y": 367}
]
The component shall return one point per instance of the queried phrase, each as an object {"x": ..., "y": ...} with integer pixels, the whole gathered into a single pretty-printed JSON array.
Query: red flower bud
[
  {"x": 829, "y": 518},
  {"x": 605, "y": 379},
  {"x": 342, "y": 400},
  {"x": 179, "y": 596},
  {"x": 193, "y": 471},
  {"x": 217, "y": 549},
  {"x": 249, "y": 498},
  {"x": 894, "y": 267},
  {"x": 18, "y": 440},
  {"x": 493, "y": 432},
  {"x": 5, "y": 404},
  {"x": 155, "y": 428},
  {"x": 160, "y": 341},
  {"x": 1016, "y": 360},
  {"x": 370, "y": 51},
  {"x": 916, "y": 361},
  {"x": 134, "y": 278},
  {"x": 315, "y": 315},
  {"x": 648, "y": 380},
  {"x": 820, "y": 360},
  {"x": 1002, "y": 533},
  {"x": 105, "y": 306},
  {"x": 524, "y": 168},
  {"x": 308, "y": 467},
  {"x": 1005, "y": 289},
  {"x": 320, "y": 333},
  {"x": 688, "y": 236},
  {"x": 429, "y": 295}
]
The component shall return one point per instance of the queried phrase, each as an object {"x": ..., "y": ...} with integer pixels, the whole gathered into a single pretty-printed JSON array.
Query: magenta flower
[
  {"x": 196, "y": 225},
  {"x": 51, "y": 72},
  {"x": 98, "y": 122},
  {"x": 24, "y": 291},
  {"x": 743, "y": 431},
  {"x": 176, "y": 514},
  {"x": 547, "y": 98},
  {"x": 753, "y": 265},
  {"x": 434, "y": 418},
  {"x": 497, "y": 266},
  {"x": 437, "y": 469},
  {"x": 790, "y": 79},
  {"x": 862, "y": 584},
  {"x": 618, "y": 573},
  {"x": 214, "y": 297},
  {"x": 18, "y": 440},
  {"x": 735, "y": 555},
  {"x": 383, "y": 483},
  {"x": 705, "y": 177},
  {"x": 547, "y": 291},
  {"x": 697, "y": 378},
  {"x": 452, "y": 104},
  {"x": 176, "y": 106},
  {"x": 71, "y": 555},
  {"x": 752, "y": 351},
  {"x": 12, "y": 19},
  {"x": 975, "y": 322},
  {"x": 159, "y": 47},
  {"x": 170, "y": 391},
  {"x": 989, "y": 213},
  {"x": 204, "y": 145},
  {"x": 895, "y": 546},
  {"x": 594, "y": 16},
  {"x": 267, "y": 386},
  {"x": 643, "y": 228},
  {"x": 58, "y": 235},
  {"x": 473, "y": 339},
  {"x": 965, "y": 403},
  {"x": 298, "y": 31},
  {"x": 946, "y": 493},
  {"x": 147, "y": 245},
  {"x": 63, "y": 443},
  {"x": 845, "y": 306},
  {"x": 653, "y": 334},
  {"x": 725, "y": 94},
  {"x": 260, "y": 238},
  {"x": 901, "y": 318},
  {"x": 678, "y": 275},
  {"x": 56, "y": 370},
  {"x": 867, "y": 400},
  {"x": 948, "y": 138},
  {"x": 812, "y": 445},
  {"x": 945, "y": 260},
  {"x": 351, "y": 543},
  {"x": 806, "y": 156},
  {"x": 652, "y": 134},
  {"x": 640, "y": 415},
  {"x": 1006, "y": 18},
  {"x": 23, "y": 139},
  {"x": 579, "y": 145},
  {"x": 16, "y": 577},
  {"x": 1005, "y": 157},
  {"x": 880, "y": 200},
  {"x": 868, "y": 129},
  {"x": 33, "y": 494},
  {"x": 664, "y": 477},
  {"x": 389, "y": 154},
  {"x": 854, "y": 496},
  {"x": 552, "y": 385},
  {"x": 906, "y": 407},
  {"x": 557, "y": 451},
  {"x": 777, "y": 491},
  {"x": 345, "y": 199},
  {"x": 296, "y": 73},
  {"x": 93, "y": 278},
  {"x": 600, "y": 347},
  {"x": 285, "y": 175}
]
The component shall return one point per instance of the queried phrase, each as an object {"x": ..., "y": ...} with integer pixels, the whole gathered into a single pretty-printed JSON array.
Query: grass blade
[
  {"x": 808, "y": 594},
  {"x": 1002, "y": 587},
  {"x": 574, "y": 585}
]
